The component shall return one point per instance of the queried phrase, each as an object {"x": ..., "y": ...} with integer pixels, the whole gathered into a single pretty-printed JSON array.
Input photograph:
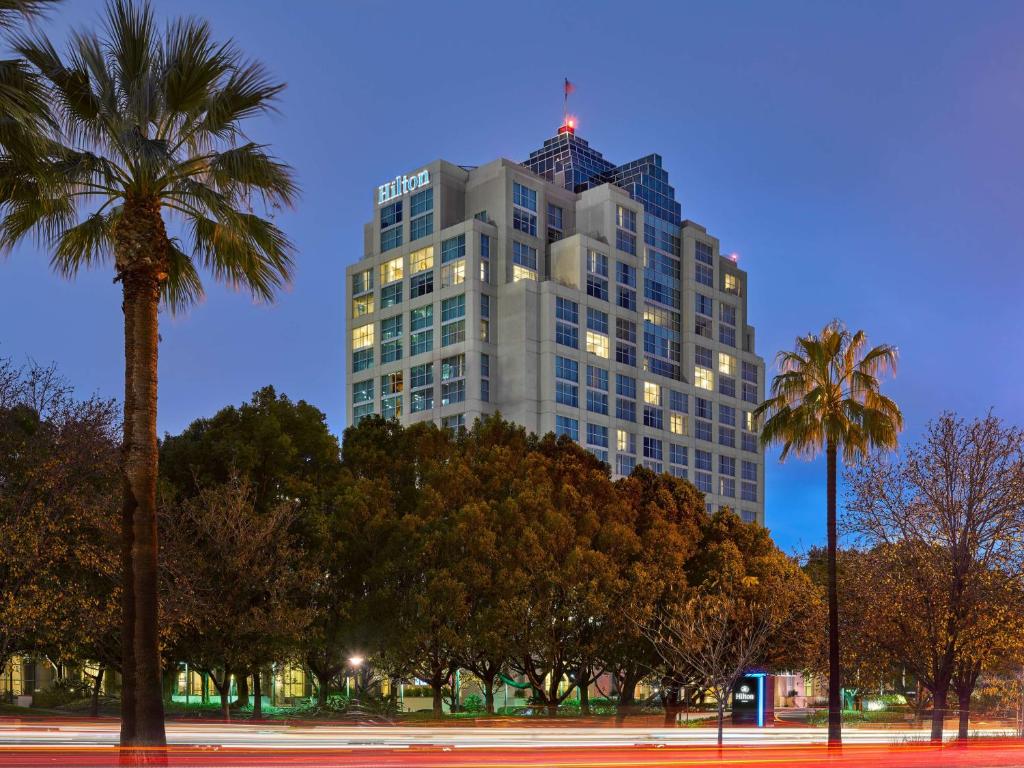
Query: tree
[
  {"x": 148, "y": 124},
  {"x": 565, "y": 504},
  {"x": 282, "y": 449},
  {"x": 949, "y": 517},
  {"x": 665, "y": 519},
  {"x": 243, "y": 581},
  {"x": 58, "y": 489},
  {"x": 24, "y": 113},
  {"x": 749, "y": 605},
  {"x": 827, "y": 396}
]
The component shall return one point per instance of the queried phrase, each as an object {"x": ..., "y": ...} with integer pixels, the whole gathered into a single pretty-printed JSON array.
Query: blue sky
[{"x": 866, "y": 160}]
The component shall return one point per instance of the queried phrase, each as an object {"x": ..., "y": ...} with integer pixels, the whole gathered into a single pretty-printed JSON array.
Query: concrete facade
[{"x": 534, "y": 279}]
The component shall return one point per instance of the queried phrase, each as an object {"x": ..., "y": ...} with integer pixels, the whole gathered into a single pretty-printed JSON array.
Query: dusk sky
[{"x": 865, "y": 160}]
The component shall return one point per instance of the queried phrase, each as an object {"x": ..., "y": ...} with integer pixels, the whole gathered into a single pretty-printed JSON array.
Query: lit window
[
  {"x": 704, "y": 378},
  {"x": 748, "y": 421},
  {"x": 726, "y": 364},
  {"x": 453, "y": 274},
  {"x": 362, "y": 305},
  {"x": 730, "y": 283},
  {"x": 524, "y": 262},
  {"x": 421, "y": 259},
  {"x": 597, "y": 343},
  {"x": 624, "y": 441},
  {"x": 362, "y": 337},
  {"x": 652, "y": 393},
  {"x": 390, "y": 271},
  {"x": 362, "y": 281},
  {"x": 677, "y": 423}
]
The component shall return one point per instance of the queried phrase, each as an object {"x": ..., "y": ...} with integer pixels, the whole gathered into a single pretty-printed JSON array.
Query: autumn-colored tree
[
  {"x": 665, "y": 517},
  {"x": 749, "y": 606},
  {"x": 948, "y": 517},
  {"x": 243, "y": 587},
  {"x": 58, "y": 548}
]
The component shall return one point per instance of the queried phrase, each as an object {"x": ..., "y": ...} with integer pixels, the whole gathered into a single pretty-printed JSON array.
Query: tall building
[{"x": 569, "y": 294}]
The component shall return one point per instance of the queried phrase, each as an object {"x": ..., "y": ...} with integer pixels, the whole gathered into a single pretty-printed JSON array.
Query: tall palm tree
[
  {"x": 827, "y": 397},
  {"x": 23, "y": 107},
  {"x": 148, "y": 134}
]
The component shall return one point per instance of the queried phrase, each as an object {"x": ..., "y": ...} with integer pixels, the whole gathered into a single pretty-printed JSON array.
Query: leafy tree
[
  {"x": 147, "y": 124},
  {"x": 827, "y": 396},
  {"x": 566, "y": 504},
  {"x": 283, "y": 450},
  {"x": 948, "y": 519},
  {"x": 664, "y": 520},
  {"x": 243, "y": 581},
  {"x": 58, "y": 489},
  {"x": 750, "y": 606}
]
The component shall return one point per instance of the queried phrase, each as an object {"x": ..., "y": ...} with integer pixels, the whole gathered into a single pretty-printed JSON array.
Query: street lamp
[{"x": 355, "y": 662}]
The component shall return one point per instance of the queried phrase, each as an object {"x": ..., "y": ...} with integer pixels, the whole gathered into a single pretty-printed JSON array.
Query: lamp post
[{"x": 355, "y": 662}]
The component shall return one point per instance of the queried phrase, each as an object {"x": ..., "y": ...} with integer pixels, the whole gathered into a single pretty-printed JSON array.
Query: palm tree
[
  {"x": 827, "y": 396},
  {"x": 23, "y": 108},
  {"x": 148, "y": 134}
]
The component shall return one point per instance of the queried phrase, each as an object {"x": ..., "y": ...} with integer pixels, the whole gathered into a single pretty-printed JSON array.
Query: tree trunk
[
  {"x": 257, "y": 692},
  {"x": 224, "y": 689},
  {"x": 489, "y": 694},
  {"x": 242, "y": 691},
  {"x": 321, "y": 691},
  {"x": 584, "y": 697},
  {"x": 721, "y": 719},
  {"x": 939, "y": 698},
  {"x": 835, "y": 715},
  {"x": 670, "y": 700},
  {"x": 141, "y": 257},
  {"x": 94, "y": 708},
  {"x": 964, "y": 702},
  {"x": 438, "y": 704}
]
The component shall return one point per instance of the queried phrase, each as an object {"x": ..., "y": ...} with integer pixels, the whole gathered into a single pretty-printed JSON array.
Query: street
[{"x": 40, "y": 742}]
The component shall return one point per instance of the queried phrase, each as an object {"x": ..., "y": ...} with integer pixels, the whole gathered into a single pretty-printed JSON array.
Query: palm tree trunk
[
  {"x": 835, "y": 723},
  {"x": 140, "y": 255}
]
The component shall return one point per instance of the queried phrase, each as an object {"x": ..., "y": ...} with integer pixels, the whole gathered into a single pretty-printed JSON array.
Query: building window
[
  {"x": 390, "y": 351},
  {"x": 421, "y": 329},
  {"x": 727, "y": 313},
  {"x": 625, "y": 242},
  {"x": 625, "y": 218},
  {"x": 704, "y": 275},
  {"x": 704, "y": 378},
  {"x": 421, "y": 285},
  {"x": 677, "y": 423},
  {"x": 421, "y": 202},
  {"x": 453, "y": 273},
  {"x": 421, "y": 227},
  {"x": 727, "y": 436},
  {"x": 624, "y": 465},
  {"x": 524, "y": 211},
  {"x": 453, "y": 248},
  {"x": 749, "y": 392},
  {"x": 702, "y": 430},
  {"x": 421, "y": 387},
  {"x": 704, "y": 305},
  {"x": 566, "y": 426},
  {"x": 390, "y": 271},
  {"x": 726, "y": 364},
  {"x": 730, "y": 283},
  {"x": 567, "y": 376},
  {"x": 678, "y": 454},
  {"x": 390, "y": 295},
  {"x": 421, "y": 260},
  {"x": 391, "y": 328},
  {"x": 597, "y": 435},
  {"x": 362, "y": 305},
  {"x": 362, "y": 336},
  {"x": 362, "y": 359},
  {"x": 485, "y": 377},
  {"x": 727, "y": 487},
  {"x": 727, "y": 386},
  {"x": 727, "y": 335},
  {"x": 597, "y": 275},
  {"x": 597, "y": 332},
  {"x": 702, "y": 326},
  {"x": 749, "y": 471},
  {"x": 749, "y": 372},
  {"x": 390, "y": 238},
  {"x": 390, "y": 214},
  {"x": 748, "y": 442},
  {"x": 453, "y": 324},
  {"x": 703, "y": 253},
  {"x": 654, "y": 417},
  {"x": 485, "y": 259},
  {"x": 652, "y": 393},
  {"x": 555, "y": 225},
  {"x": 653, "y": 448},
  {"x": 524, "y": 262},
  {"x": 726, "y": 415},
  {"x": 567, "y": 320},
  {"x": 391, "y": 387},
  {"x": 453, "y": 379},
  {"x": 455, "y": 423},
  {"x": 748, "y": 491},
  {"x": 362, "y": 281}
]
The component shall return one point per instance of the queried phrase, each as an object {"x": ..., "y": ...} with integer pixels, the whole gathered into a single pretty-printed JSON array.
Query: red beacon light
[
  {"x": 734, "y": 257},
  {"x": 569, "y": 126}
]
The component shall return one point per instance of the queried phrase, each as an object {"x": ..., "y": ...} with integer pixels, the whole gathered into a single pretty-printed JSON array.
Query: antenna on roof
[{"x": 568, "y": 123}]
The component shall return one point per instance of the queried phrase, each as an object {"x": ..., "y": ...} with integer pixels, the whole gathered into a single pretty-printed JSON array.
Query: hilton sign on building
[
  {"x": 568, "y": 293},
  {"x": 402, "y": 185}
]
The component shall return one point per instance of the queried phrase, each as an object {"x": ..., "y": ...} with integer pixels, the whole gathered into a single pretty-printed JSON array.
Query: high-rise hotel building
[{"x": 569, "y": 294}]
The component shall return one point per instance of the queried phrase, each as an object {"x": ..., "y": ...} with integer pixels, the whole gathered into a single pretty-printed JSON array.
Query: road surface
[{"x": 71, "y": 742}]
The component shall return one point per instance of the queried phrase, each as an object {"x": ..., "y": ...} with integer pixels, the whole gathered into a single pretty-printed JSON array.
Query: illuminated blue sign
[{"x": 402, "y": 185}]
